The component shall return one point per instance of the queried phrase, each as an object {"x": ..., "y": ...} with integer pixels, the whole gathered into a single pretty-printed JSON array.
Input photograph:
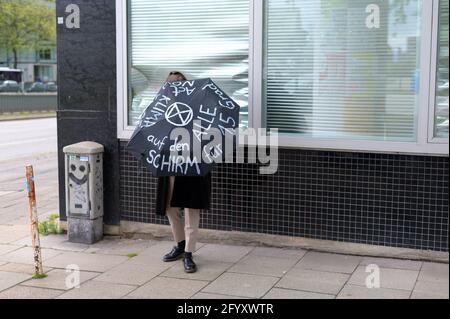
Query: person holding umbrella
[
  {"x": 191, "y": 193},
  {"x": 200, "y": 109}
]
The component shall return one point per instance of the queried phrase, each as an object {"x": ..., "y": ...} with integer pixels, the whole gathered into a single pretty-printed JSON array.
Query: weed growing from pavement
[
  {"x": 39, "y": 276},
  {"x": 50, "y": 226}
]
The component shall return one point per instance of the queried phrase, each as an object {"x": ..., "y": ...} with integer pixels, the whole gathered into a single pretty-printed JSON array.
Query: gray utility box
[{"x": 84, "y": 192}]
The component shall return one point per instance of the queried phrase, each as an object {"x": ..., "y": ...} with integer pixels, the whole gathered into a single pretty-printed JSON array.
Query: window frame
[
  {"x": 45, "y": 54},
  {"x": 426, "y": 144},
  {"x": 433, "y": 78}
]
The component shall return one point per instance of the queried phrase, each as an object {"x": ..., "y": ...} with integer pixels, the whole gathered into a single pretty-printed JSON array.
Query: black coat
[{"x": 188, "y": 192}]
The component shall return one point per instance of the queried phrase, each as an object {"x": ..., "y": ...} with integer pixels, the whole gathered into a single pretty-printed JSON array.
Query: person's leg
[
  {"x": 174, "y": 216},
  {"x": 192, "y": 221},
  {"x": 177, "y": 224}
]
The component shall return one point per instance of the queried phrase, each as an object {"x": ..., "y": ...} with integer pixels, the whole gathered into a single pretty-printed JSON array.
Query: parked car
[
  {"x": 37, "y": 87},
  {"x": 9, "y": 86},
  {"x": 43, "y": 87},
  {"x": 51, "y": 87}
]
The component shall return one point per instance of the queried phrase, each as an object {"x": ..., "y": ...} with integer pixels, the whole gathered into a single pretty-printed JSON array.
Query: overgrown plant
[
  {"x": 39, "y": 276},
  {"x": 50, "y": 226}
]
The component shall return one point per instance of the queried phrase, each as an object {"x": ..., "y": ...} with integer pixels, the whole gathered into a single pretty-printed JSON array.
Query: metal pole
[{"x": 32, "y": 210}]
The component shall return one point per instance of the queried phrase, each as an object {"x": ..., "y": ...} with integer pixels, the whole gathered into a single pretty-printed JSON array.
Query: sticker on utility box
[{"x": 84, "y": 158}]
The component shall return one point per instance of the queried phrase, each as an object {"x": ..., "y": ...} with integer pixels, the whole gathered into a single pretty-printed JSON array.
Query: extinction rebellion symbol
[{"x": 179, "y": 114}]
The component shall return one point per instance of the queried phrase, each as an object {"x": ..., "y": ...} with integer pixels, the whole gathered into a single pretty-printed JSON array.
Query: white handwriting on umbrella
[
  {"x": 229, "y": 104},
  {"x": 179, "y": 114}
]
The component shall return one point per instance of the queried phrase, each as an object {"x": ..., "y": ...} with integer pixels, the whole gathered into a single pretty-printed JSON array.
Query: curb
[{"x": 28, "y": 118}]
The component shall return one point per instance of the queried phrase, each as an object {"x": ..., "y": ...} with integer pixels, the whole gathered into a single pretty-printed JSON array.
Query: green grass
[
  {"x": 39, "y": 276},
  {"x": 50, "y": 226},
  {"x": 132, "y": 255}
]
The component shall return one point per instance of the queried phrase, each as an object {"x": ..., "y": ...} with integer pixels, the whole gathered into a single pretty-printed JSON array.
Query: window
[
  {"x": 45, "y": 54},
  {"x": 441, "y": 102},
  {"x": 43, "y": 73},
  {"x": 357, "y": 75},
  {"x": 200, "y": 38},
  {"x": 343, "y": 69}
]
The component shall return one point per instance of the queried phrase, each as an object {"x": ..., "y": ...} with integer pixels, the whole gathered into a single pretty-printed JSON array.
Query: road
[
  {"x": 22, "y": 143},
  {"x": 27, "y": 138}
]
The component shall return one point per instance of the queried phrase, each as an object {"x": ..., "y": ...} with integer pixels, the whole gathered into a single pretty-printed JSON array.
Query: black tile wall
[{"x": 378, "y": 199}]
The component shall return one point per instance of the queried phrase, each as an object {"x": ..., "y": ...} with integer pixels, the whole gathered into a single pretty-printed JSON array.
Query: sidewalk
[
  {"x": 227, "y": 272},
  {"x": 14, "y": 199}
]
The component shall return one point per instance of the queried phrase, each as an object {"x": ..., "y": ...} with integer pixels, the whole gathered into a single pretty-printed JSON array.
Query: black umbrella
[{"x": 189, "y": 126}]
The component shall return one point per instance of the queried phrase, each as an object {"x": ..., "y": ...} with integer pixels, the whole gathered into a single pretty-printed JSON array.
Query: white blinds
[
  {"x": 441, "y": 122},
  {"x": 201, "y": 38},
  {"x": 343, "y": 69}
]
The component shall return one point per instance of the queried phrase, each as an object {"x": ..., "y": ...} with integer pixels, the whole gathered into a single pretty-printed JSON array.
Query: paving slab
[
  {"x": 207, "y": 270},
  {"x": 204, "y": 295},
  {"x": 59, "y": 279},
  {"x": 434, "y": 272},
  {"x": 21, "y": 268},
  {"x": 13, "y": 220},
  {"x": 313, "y": 281},
  {"x": 278, "y": 293},
  {"x": 281, "y": 253},
  {"x": 329, "y": 262},
  {"x": 168, "y": 288},
  {"x": 121, "y": 247},
  {"x": 242, "y": 285},
  {"x": 155, "y": 251},
  {"x": 4, "y": 249},
  {"x": 430, "y": 290},
  {"x": 133, "y": 273},
  {"x": 153, "y": 255},
  {"x": 15, "y": 199},
  {"x": 98, "y": 290},
  {"x": 427, "y": 295},
  {"x": 9, "y": 220},
  {"x": 265, "y": 266},
  {"x": 9, "y": 234},
  {"x": 223, "y": 253},
  {"x": 87, "y": 262},
  {"x": 57, "y": 242},
  {"x": 392, "y": 263},
  {"x": 389, "y": 278},
  {"x": 358, "y": 292},
  {"x": 24, "y": 292},
  {"x": 25, "y": 255},
  {"x": 3, "y": 193},
  {"x": 19, "y": 209},
  {"x": 10, "y": 279}
]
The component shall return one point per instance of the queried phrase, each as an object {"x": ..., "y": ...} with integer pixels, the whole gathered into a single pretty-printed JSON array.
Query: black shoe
[
  {"x": 189, "y": 264},
  {"x": 175, "y": 254}
]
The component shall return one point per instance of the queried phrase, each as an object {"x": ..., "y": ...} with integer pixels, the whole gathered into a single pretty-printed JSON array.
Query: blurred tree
[{"x": 27, "y": 24}]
